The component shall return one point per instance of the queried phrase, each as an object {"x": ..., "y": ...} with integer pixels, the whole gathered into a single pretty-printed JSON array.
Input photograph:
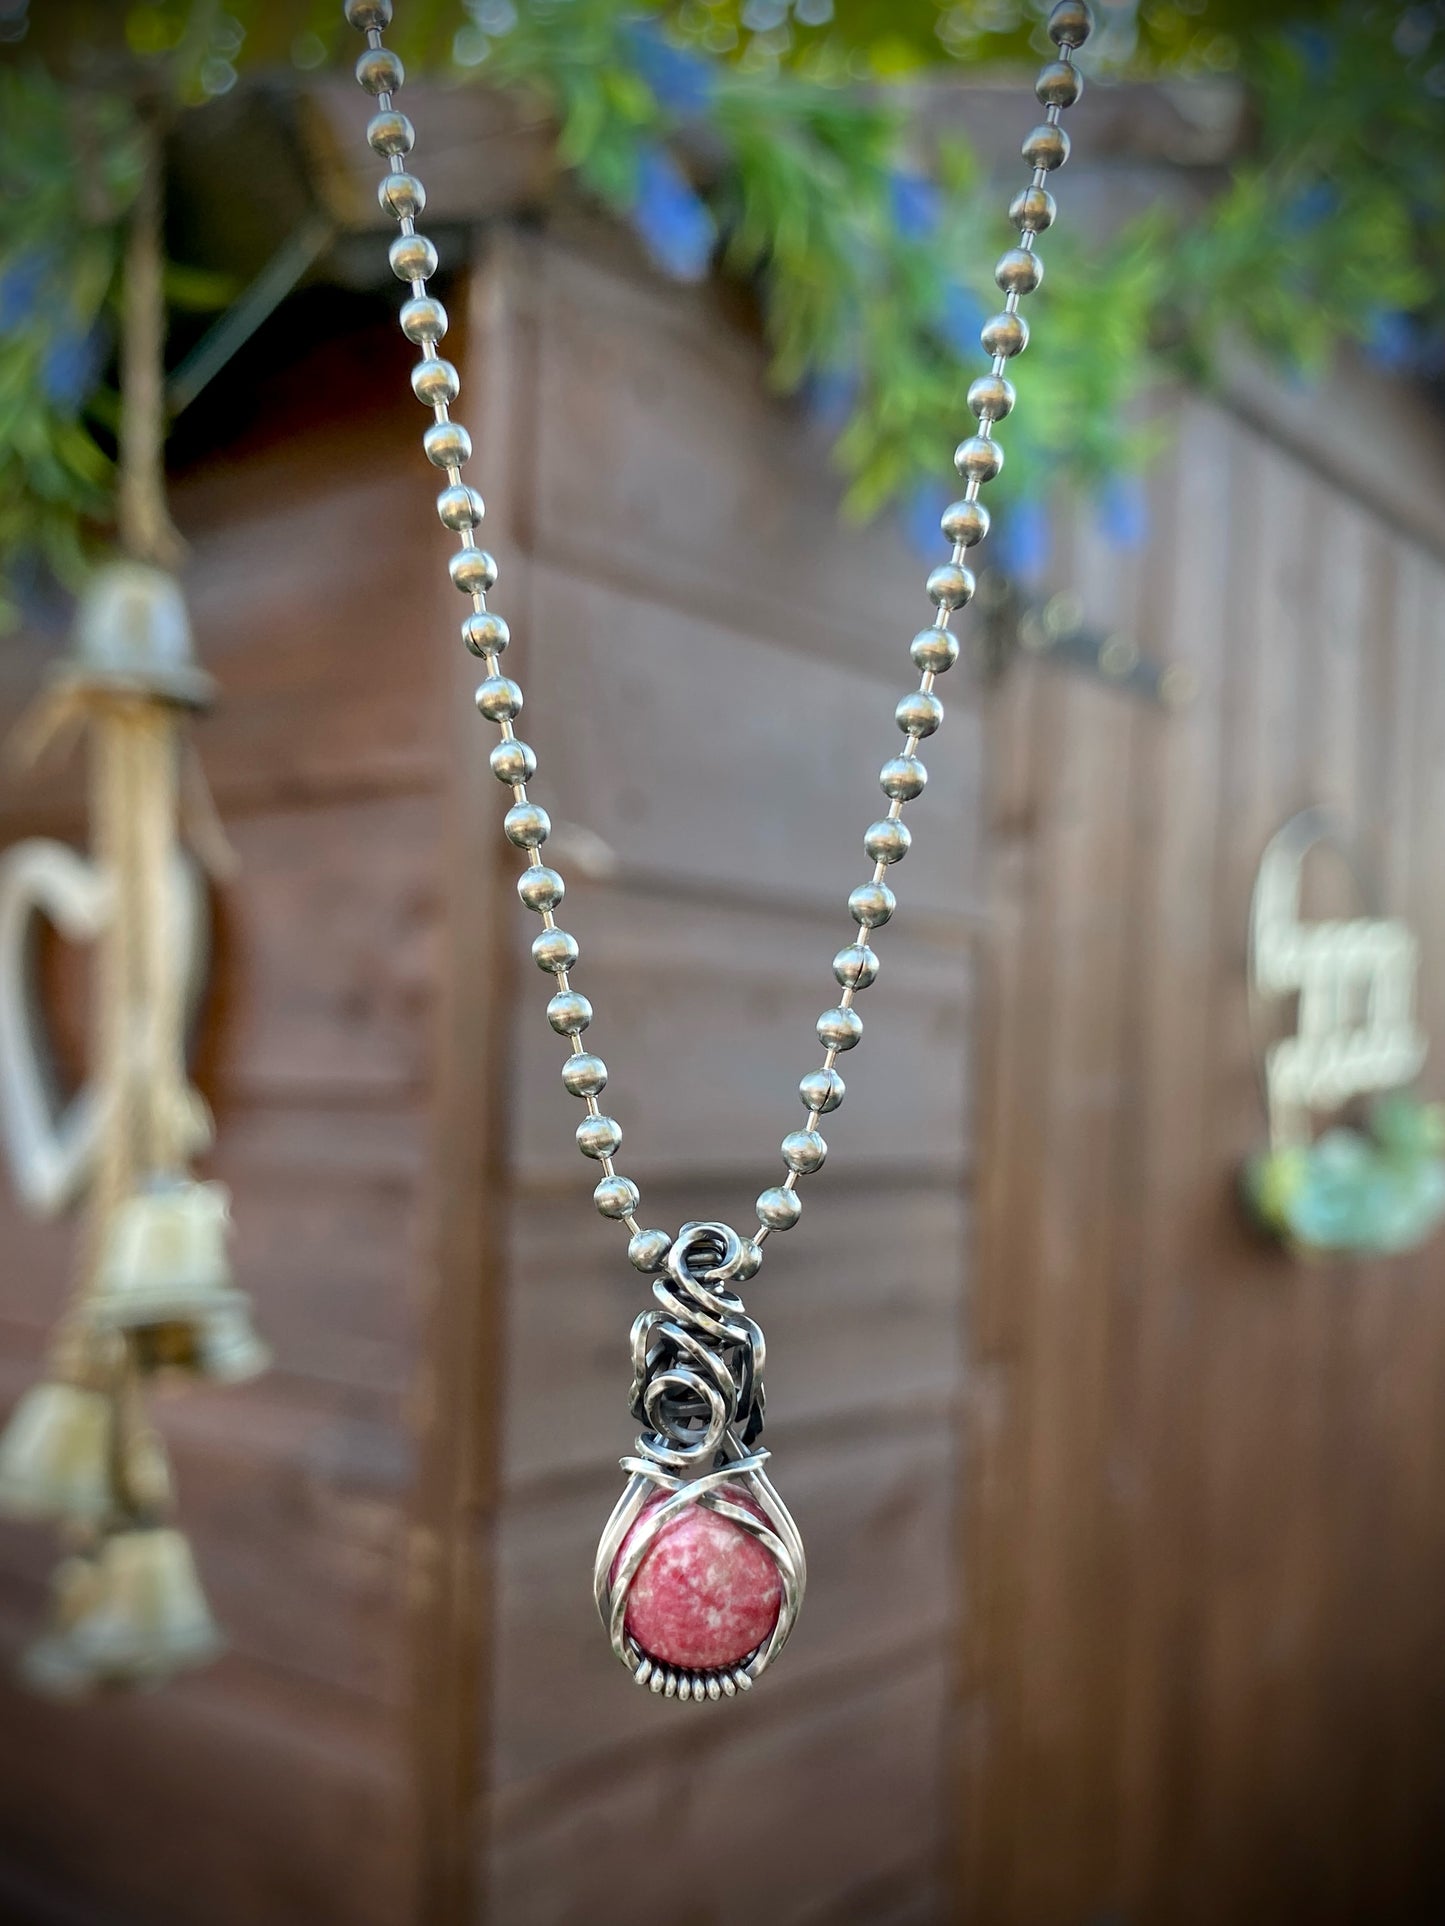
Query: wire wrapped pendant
[{"x": 700, "y": 1571}]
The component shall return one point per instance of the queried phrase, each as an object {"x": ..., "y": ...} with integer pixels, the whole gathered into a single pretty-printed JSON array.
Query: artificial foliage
[
  {"x": 734, "y": 138},
  {"x": 1361, "y": 1193}
]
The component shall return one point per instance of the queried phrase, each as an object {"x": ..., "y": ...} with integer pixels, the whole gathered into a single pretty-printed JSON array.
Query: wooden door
[{"x": 1205, "y": 1669}]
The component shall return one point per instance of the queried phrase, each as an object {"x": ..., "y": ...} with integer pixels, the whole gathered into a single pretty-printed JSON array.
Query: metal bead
[
  {"x": 902, "y": 777},
  {"x": 951, "y": 584},
  {"x": 1060, "y": 84},
  {"x": 779, "y": 1209},
  {"x": 1005, "y": 334},
  {"x": 380, "y": 71},
  {"x": 412, "y": 257},
  {"x": 919, "y": 714},
  {"x": 647, "y": 1251},
  {"x": 750, "y": 1261},
  {"x": 555, "y": 950},
  {"x": 434, "y": 381},
  {"x": 484, "y": 631},
  {"x": 369, "y": 16},
  {"x": 402, "y": 195},
  {"x": 584, "y": 1075},
  {"x": 447, "y": 444},
  {"x": 871, "y": 904},
  {"x": 1033, "y": 210},
  {"x": 499, "y": 698},
  {"x": 965, "y": 523},
  {"x": 569, "y": 1013},
  {"x": 822, "y": 1090},
  {"x": 804, "y": 1151},
  {"x": 888, "y": 841},
  {"x": 1019, "y": 271},
  {"x": 991, "y": 397},
  {"x": 390, "y": 133},
  {"x": 598, "y": 1136},
  {"x": 1046, "y": 147},
  {"x": 1070, "y": 23},
  {"x": 840, "y": 1029},
  {"x": 934, "y": 651},
  {"x": 423, "y": 319},
  {"x": 856, "y": 966},
  {"x": 527, "y": 824},
  {"x": 460, "y": 507},
  {"x": 978, "y": 458},
  {"x": 473, "y": 571},
  {"x": 513, "y": 761},
  {"x": 540, "y": 888},
  {"x": 617, "y": 1197}
]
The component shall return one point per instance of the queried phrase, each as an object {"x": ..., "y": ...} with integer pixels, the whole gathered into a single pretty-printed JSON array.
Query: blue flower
[
  {"x": 960, "y": 317},
  {"x": 829, "y": 395},
  {"x": 1023, "y": 538},
  {"x": 1316, "y": 46},
  {"x": 1311, "y": 206},
  {"x": 1124, "y": 512},
  {"x": 71, "y": 367},
  {"x": 680, "y": 81},
  {"x": 676, "y": 227},
  {"x": 919, "y": 517},
  {"x": 1394, "y": 341},
  {"x": 21, "y": 281},
  {"x": 916, "y": 203}
]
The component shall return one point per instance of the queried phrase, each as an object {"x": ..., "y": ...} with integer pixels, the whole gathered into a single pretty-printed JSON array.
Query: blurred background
[{"x": 1124, "y": 1492}]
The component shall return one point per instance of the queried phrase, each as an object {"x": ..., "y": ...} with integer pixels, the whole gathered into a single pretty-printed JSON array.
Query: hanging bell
[
  {"x": 165, "y": 1281},
  {"x": 131, "y": 1614},
  {"x": 55, "y": 1454},
  {"x": 48, "y": 1665}
]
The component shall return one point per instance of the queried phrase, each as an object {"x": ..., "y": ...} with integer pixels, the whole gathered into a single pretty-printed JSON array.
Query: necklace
[{"x": 700, "y": 1572}]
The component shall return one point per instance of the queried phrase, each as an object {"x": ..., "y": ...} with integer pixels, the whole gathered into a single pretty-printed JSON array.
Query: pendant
[{"x": 700, "y": 1571}]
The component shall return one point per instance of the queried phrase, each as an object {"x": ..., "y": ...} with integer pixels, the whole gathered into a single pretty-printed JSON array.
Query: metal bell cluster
[
  {"x": 156, "y": 1298},
  {"x": 128, "y": 1609}
]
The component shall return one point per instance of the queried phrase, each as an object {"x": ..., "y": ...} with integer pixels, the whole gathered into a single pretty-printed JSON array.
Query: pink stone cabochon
[{"x": 707, "y": 1593}]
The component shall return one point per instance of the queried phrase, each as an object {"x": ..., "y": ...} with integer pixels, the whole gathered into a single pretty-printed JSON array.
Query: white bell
[
  {"x": 165, "y": 1280},
  {"x": 55, "y": 1454}
]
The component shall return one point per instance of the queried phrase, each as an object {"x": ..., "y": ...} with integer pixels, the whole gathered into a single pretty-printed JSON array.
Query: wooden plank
[
  {"x": 326, "y": 956},
  {"x": 1258, "y": 1380},
  {"x": 456, "y": 1396},
  {"x": 1398, "y": 445},
  {"x": 719, "y": 779},
  {"x": 651, "y": 388},
  {"x": 866, "y": 1504},
  {"x": 1177, "y": 1190},
  {"x": 1021, "y": 735},
  {"x": 1070, "y": 1289},
  {"x": 222, "y": 1798},
  {"x": 668, "y": 1818},
  {"x": 328, "y": 1230},
  {"x": 1337, "y": 1424},
  {"x": 706, "y": 1015},
  {"x": 861, "y": 1320}
]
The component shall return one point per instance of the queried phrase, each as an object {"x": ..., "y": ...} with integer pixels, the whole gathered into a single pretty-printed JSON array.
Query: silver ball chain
[{"x": 934, "y": 650}]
